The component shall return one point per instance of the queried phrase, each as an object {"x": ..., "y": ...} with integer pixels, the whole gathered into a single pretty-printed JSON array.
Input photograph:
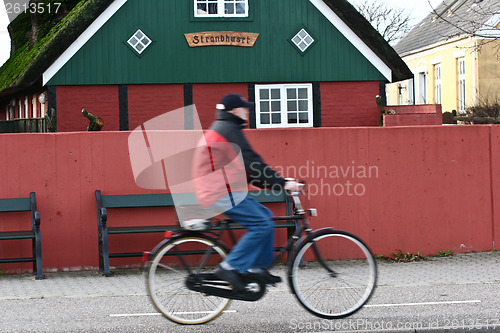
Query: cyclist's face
[{"x": 241, "y": 112}]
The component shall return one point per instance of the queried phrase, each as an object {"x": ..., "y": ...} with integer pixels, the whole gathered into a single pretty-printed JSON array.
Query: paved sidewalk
[{"x": 473, "y": 268}]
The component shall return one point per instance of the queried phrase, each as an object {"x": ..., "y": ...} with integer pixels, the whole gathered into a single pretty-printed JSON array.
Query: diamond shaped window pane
[
  {"x": 302, "y": 40},
  {"x": 139, "y": 41},
  {"x": 132, "y": 41}
]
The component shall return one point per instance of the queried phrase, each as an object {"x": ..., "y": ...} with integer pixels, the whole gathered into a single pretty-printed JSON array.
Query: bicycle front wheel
[
  {"x": 166, "y": 279},
  {"x": 333, "y": 275}
]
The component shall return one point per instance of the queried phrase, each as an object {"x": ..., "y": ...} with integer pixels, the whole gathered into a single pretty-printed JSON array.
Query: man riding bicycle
[{"x": 222, "y": 143}]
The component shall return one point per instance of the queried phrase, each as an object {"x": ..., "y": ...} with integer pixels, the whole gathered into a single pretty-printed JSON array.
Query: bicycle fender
[
  {"x": 299, "y": 243},
  {"x": 311, "y": 236}
]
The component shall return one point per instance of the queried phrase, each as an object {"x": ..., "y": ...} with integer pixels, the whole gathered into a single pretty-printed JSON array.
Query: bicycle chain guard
[{"x": 211, "y": 285}]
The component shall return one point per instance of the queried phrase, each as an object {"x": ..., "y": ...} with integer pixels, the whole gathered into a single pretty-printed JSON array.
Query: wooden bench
[
  {"x": 25, "y": 205},
  {"x": 105, "y": 202}
]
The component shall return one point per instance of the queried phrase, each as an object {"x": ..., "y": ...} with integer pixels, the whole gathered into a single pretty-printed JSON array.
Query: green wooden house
[{"x": 304, "y": 62}]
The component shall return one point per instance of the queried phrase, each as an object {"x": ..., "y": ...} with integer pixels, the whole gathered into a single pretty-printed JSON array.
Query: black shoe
[
  {"x": 231, "y": 276},
  {"x": 269, "y": 278}
]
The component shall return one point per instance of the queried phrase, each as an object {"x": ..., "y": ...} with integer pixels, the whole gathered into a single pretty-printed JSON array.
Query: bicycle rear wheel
[
  {"x": 338, "y": 285},
  {"x": 166, "y": 279}
]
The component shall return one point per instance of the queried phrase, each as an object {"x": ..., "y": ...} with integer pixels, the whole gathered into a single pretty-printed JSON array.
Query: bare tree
[
  {"x": 474, "y": 18},
  {"x": 391, "y": 22}
]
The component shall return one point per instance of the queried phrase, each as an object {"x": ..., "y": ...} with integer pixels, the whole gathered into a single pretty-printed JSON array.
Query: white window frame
[
  {"x": 34, "y": 103},
  {"x": 139, "y": 41},
  {"x": 438, "y": 84},
  {"x": 462, "y": 104},
  {"x": 411, "y": 91},
  {"x": 283, "y": 105},
  {"x": 303, "y": 43},
  {"x": 26, "y": 108},
  {"x": 220, "y": 8},
  {"x": 400, "y": 88},
  {"x": 422, "y": 88}
]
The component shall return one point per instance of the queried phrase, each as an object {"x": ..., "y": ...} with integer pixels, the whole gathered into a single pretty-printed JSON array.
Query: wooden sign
[{"x": 216, "y": 38}]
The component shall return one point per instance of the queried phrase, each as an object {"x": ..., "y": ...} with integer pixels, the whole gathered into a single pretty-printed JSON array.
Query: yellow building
[{"x": 454, "y": 54}]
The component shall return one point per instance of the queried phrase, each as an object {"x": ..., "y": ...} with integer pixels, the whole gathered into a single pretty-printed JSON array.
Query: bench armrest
[
  {"x": 103, "y": 215},
  {"x": 35, "y": 214},
  {"x": 102, "y": 212},
  {"x": 36, "y": 217}
]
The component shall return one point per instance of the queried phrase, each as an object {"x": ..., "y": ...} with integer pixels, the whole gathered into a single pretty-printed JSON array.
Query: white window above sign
[
  {"x": 220, "y": 8},
  {"x": 139, "y": 41}
]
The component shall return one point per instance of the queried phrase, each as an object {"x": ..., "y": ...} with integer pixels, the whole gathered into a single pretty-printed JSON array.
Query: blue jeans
[{"x": 255, "y": 248}]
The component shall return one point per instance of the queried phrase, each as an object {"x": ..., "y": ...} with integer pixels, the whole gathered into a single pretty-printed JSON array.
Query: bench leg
[
  {"x": 37, "y": 255},
  {"x": 103, "y": 252}
]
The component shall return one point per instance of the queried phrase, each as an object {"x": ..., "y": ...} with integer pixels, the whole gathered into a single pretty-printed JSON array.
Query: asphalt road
[{"x": 459, "y": 294}]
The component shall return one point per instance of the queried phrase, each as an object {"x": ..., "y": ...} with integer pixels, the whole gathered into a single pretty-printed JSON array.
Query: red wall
[
  {"x": 414, "y": 115},
  {"x": 207, "y": 96},
  {"x": 148, "y": 101},
  {"x": 343, "y": 103},
  {"x": 495, "y": 188},
  {"x": 418, "y": 189},
  {"x": 349, "y": 104},
  {"x": 101, "y": 101}
]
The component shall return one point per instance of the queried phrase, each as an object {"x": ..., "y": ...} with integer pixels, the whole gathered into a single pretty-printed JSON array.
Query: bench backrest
[
  {"x": 166, "y": 200},
  {"x": 15, "y": 205},
  {"x": 19, "y": 204},
  {"x": 22, "y": 205}
]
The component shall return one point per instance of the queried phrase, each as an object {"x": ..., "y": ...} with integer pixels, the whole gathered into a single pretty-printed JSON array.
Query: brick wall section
[
  {"x": 148, "y": 101},
  {"x": 343, "y": 104},
  {"x": 416, "y": 109},
  {"x": 207, "y": 96},
  {"x": 101, "y": 101},
  {"x": 414, "y": 115},
  {"x": 349, "y": 104}
]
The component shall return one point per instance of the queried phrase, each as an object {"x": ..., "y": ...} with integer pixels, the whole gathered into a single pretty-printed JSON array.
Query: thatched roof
[{"x": 23, "y": 70}]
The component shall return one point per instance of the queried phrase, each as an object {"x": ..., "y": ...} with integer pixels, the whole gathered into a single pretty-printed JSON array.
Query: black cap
[{"x": 233, "y": 101}]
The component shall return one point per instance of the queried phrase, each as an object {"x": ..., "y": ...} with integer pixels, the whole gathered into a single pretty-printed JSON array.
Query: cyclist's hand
[{"x": 293, "y": 186}]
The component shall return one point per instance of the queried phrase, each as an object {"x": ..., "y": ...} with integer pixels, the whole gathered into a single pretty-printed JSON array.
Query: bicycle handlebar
[{"x": 298, "y": 210}]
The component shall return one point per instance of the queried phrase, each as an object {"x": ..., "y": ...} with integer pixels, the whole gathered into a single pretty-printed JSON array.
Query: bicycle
[{"x": 331, "y": 272}]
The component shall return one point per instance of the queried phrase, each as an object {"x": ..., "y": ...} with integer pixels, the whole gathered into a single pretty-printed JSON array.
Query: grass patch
[
  {"x": 448, "y": 253},
  {"x": 400, "y": 256}
]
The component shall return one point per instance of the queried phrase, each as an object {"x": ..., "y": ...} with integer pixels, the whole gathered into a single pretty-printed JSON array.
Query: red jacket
[{"x": 225, "y": 162}]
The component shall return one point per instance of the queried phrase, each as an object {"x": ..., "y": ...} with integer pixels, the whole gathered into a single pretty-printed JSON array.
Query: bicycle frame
[{"x": 302, "y": 233}]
